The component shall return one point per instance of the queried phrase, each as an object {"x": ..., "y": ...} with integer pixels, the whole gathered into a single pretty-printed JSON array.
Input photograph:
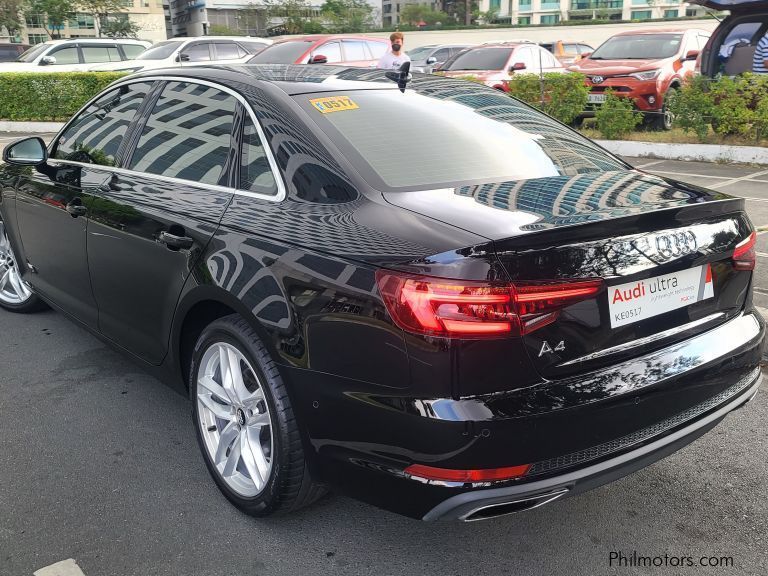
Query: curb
[
  {"x": 25, "y": 127},
  {"x": 695, "y": 152}
]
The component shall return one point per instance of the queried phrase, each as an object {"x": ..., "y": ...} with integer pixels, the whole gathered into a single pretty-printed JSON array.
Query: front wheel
[
  {"x": 15, "y": 294},
  {"x": 665, "y": 119},
  {"x": 245, "y": 424}
]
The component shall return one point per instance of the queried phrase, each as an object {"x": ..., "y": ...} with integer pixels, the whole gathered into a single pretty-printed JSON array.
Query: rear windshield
[
  {"x": 160, "y": 51},
  {"x": 282, "y": 53},
  {"x": 481, "y": 59},
  {"x": 639, "y": 47},
  {"x": 456, "y": 133}
]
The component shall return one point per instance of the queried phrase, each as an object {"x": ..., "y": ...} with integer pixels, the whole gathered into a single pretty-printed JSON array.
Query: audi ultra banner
[{"x": 635, "y": 301}]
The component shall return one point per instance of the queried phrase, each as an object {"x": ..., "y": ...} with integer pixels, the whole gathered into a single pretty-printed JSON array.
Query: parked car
[
  {"x": 644, "y": 65},
  {"x": 446, "y": 304},
  {"x": 427, "y": 58},
  {"x": 324, "y": 49},
  {"x": 494, "y": 64},
  {"x": 731, "y": 48},
  {"x": 75, "y": 55},
  {"x": 179, "y": 52},
  {"x": 11, "y": 52},
  {"x": 567, "y": 52}
]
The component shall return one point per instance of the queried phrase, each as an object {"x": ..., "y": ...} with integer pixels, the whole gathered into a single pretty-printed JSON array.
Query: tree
[
  {"x": 120, "y": 27},
  {"x": 347, "y": 15},
  {"x": 10, "y": 16},
  {"x": 52, "y": 13},
  {"x": 101, "y": 10},
  {"x": 292, "y": 14},
  {"x": 222, "y": 30}
]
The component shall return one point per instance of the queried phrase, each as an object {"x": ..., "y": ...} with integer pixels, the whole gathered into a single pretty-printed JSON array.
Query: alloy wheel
[
  {"x": 234, "y": 419},
  {"x": 13, "y": 289}
]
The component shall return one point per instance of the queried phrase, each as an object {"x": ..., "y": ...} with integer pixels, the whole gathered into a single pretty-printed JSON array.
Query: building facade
[
  {"x": 525, "y": 12},
  {"x": 147, "y": 14}
]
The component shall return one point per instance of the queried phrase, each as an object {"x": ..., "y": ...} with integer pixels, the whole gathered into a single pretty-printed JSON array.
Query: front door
[
  {"x": 54, "y": 200},
  {"x": 152, "y": 221}
]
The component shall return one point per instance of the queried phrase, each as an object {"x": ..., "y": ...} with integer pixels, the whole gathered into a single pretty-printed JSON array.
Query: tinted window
[
  {"x": 355, "y": 50},
  {"x": 282, "y": 53},
  {"x": 421, "y": 53},
  {"x": 255, "y": 172},
  {"x": 96, "y": 134},
  {"x": 331, "y": 50},
  {"x": 639, "y": 47},
  {"x": 570, "y": 48},
  {"x": 426, "y": 143},
  {"x": 481, "y": 59},
  {"x": 548, "y": 46},
  {"x": 132, "y": 51},
  {"x": 377, "y": 49},
  {"x": 584, "y": 48},
  {"x": 253, "y": 47},
  {"x": 188, "y": 134},
  {"x": 93, "y": 54},
  {"x": 159, "y": 51},
  {"x": 65, "y": 55},
  {"x": 227, "y": 51},
  {"x": 197, "y": 52},
  {"x": 442, "y": 54}
]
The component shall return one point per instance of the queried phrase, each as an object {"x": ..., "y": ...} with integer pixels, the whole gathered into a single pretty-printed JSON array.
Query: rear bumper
[{"x": 494, "y": 502}]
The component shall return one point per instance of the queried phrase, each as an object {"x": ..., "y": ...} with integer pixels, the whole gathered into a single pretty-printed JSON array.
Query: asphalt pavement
[{"x": 98, "y": 464}]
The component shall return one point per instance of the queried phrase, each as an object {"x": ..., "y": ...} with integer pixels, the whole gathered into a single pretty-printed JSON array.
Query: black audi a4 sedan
[{"x": 436, "y": 299}]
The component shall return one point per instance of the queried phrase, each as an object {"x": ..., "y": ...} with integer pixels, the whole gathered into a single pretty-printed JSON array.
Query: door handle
[
  {"x": 173, "y": 241},
  {"x": 76, "y": 210}
]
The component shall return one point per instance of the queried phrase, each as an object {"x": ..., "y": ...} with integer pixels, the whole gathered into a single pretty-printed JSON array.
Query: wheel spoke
[
  {"x": 258, "y": 420},
  {"x": 4, "y": 279},
  {"x": 254, "y": 398},
  {"x": 248, "y": 454},
  {"x": 214, "y": 388},
  {"x": 258, "y": 454},
  {"x": 230, "y": 465},
  {"x": 226, "y": 440},
  {"x": 16, "y": 284},
  {"x": 235, "y": 373},
  {"x": 223, "y": 411}
]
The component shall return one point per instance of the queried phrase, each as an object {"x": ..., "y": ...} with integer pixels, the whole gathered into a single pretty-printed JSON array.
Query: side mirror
[
  {"x": 691, "y": 55},
  {"x": 586, "y": 55},
  {"x": 182, "y": 58},
  {"x": 26, "y": 152},
  {"x": 47, "y": 60},
  {"x": 517, "y": 66},
  {"x": 431, "y": 60},
  {"x": 318, "y": 59}
]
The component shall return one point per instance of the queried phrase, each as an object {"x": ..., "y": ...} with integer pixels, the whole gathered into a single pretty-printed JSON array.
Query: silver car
[{"x": 427, "y": 58}]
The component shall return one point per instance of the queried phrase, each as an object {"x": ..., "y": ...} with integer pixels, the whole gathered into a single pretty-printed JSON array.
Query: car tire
[
  {"x": 245, "y": 424},
  {"x": 664, "y": 119},
  {"x": 15, "y": 294},
  {"x": 577, "y": 122}
]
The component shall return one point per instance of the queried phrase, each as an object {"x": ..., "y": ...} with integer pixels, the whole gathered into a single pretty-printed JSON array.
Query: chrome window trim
[{"x": 281, "y": 189}]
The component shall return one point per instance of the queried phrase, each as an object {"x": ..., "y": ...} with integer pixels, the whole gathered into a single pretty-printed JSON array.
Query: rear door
[
  {"x": 196, "y": 54},
  {"x": 155, "y": 215}
]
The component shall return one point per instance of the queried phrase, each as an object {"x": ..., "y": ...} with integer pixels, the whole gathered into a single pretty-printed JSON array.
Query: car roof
[
  {"x": 98, "y": 41},
  {"x": 660, "y": 31},
  {"x": 320, "y": 37},
  {"x": 231, "y": 38}
]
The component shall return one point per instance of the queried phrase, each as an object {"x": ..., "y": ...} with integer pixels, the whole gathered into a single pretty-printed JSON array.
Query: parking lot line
[
  {"x": 64, "y": 568},
  {"x": 739, "y": 179},
  {"x": 675, "y": 173},
  {"x": 650, "y": 164}
]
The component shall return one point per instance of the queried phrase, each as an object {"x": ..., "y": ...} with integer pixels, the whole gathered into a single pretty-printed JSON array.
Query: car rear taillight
[
  {"x": 466, "y": 476},
  {"x": 462, "y": 309},
  {"x": 744, "y": 255}
]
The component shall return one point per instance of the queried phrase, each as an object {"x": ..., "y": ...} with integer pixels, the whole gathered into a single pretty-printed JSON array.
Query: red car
[
  {"x": 324, "y": 49},
  {"x": 494, "y": 64},
  {"x": 643, "y": 65}
]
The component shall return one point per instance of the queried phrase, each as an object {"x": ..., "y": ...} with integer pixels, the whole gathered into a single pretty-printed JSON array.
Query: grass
[{"x": 676, "y": 136}]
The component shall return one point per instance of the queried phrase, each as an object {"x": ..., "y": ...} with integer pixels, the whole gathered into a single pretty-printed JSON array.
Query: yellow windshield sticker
[{"x": 334, "y": 104}]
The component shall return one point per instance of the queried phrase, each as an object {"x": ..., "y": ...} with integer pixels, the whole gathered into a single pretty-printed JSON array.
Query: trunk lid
[{"x": 664, "y": 247}]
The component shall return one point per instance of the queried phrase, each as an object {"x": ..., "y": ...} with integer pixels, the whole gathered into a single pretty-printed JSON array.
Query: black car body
[
  {"x": 434, "y": 297},
  {"x": 731, "y": 48}
]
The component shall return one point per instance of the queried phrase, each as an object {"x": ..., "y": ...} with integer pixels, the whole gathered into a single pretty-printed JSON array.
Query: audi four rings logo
[
  {"x": 661, "y": 247},
  {"x": 596, "y": 79}
]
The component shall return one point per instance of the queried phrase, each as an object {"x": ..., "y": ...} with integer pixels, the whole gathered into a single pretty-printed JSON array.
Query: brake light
[
  {"x": 744, "y": 255},
  {"x": 466, "y": 476},
  {"x": 458, "y": 308}
]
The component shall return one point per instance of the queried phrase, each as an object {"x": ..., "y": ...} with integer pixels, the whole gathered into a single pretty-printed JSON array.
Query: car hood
[
  {"x": 732, "y": 5},
  {"x": 614, "y": 67},
  {"x": 484, "y": 75},
  {"x": 507, "y": 209}
]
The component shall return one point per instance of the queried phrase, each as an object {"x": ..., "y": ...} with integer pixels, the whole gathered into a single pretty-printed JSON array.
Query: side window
[
  {"x": 131, "y": 51},
  {"x": 355, "y": 50},
  {"x": 255, "y": 172},
  {"x": 187, "y": 134},
  {"x": 93, "y": 54},
  {"x": 199, "y": 52},
  {"x": 227, "y": 51},
  {"x": 442, "y": 54},
  {"x": 96, "y": 134},
  {"x": 377, "y": 49},
  {"x": 584, "y": 49},
  {"x": 525, "y": 56},
  {"x": 331, "y": 50},
  {"x": 65, "y": 55}
]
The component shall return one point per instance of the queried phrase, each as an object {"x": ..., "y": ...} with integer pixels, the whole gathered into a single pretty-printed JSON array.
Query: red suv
[
  {"x": 324, "y": 49},
  {"x": 643, "y": 65}
]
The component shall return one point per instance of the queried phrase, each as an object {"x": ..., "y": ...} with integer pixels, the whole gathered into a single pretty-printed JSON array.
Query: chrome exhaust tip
[{"x": 512, "y": 507}]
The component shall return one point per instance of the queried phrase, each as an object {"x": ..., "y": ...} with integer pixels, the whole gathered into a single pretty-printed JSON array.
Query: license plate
[
  {"x": 635, "y": 301},
  {"x": 596, "y": 98}
]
